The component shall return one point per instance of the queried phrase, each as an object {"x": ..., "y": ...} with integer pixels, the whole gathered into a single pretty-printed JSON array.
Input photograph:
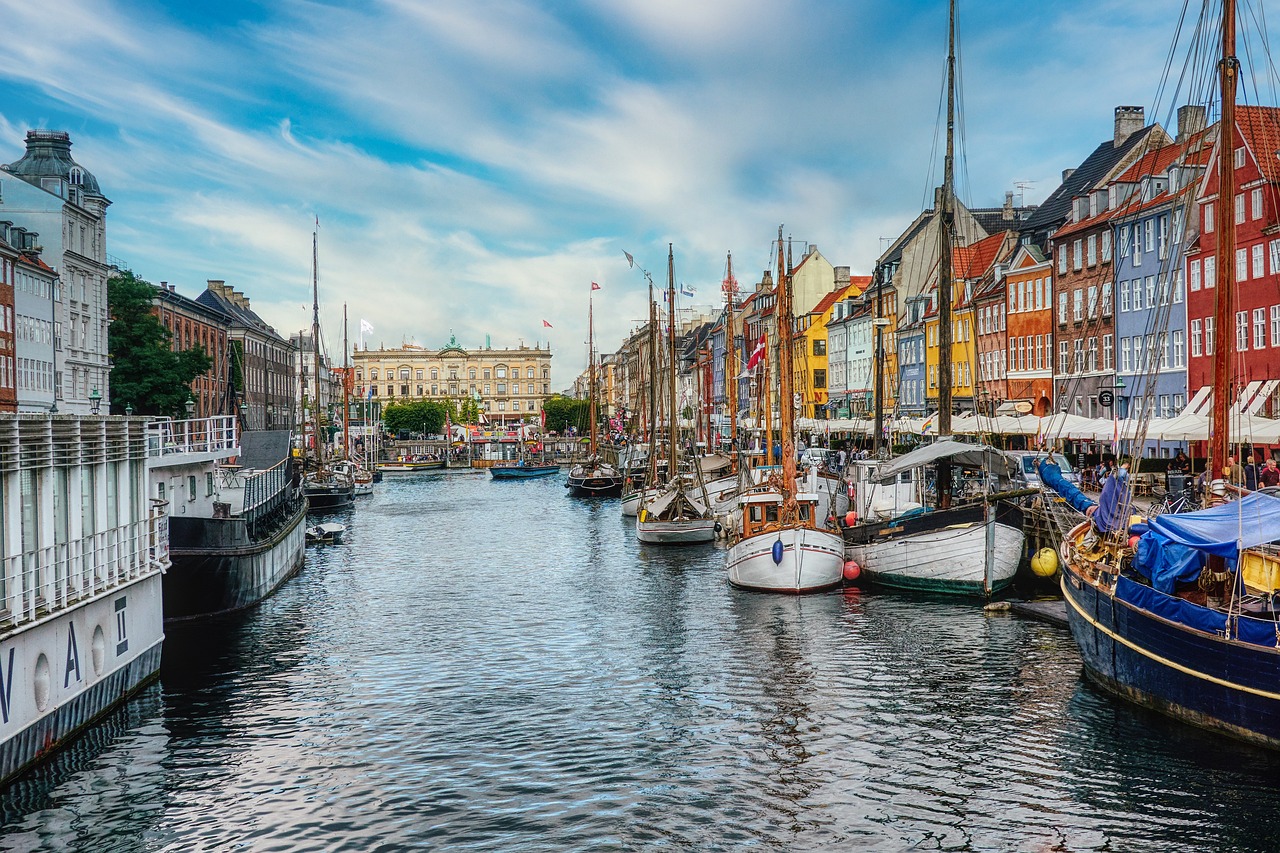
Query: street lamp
[
  {"x": 95, "y": 401},
  {"x": 128, "y": 410},
  {"x": 190, "y": 406}
]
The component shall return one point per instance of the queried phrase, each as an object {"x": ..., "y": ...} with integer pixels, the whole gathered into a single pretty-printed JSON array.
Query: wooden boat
[
  {"x": 412, "y": 465},
  {"x": 679, "y": 512},
  {"x": 1184, "y": 621},
  {"x": 327, "y": 533},
  {"x": 593, "y": 477},
  {"x": 524, "y": 470},
  {"x": 784, "y": 544}
]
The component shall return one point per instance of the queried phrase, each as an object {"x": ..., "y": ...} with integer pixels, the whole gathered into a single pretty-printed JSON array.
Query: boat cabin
[{"x": 763, "y": 512}]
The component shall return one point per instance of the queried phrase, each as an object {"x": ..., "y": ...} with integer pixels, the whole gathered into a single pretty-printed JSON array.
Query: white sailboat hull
[
  {"x": 679, "y": 532},
  {"x": 812, "y": 560},
  {"x": 952, "y": 559}
]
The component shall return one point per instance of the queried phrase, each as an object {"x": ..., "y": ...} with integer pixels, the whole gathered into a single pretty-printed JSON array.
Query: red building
[
  {"x": 1255, "y": 307},
  {"x": 9, "y": 258},
  {"x": 193, "y": 324}
]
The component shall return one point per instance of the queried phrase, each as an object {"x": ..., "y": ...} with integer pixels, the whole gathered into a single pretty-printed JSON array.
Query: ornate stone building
[{"x": 509, "y": 384}]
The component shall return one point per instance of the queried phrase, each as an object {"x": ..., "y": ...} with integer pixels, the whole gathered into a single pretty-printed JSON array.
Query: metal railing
[
  {"x": 39, "y": 583},
  {"x": 266, "y": 491},
  {"x": 199, "y": 435}
]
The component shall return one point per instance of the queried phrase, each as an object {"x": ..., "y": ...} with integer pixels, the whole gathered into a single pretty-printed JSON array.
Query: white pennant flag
[{"x": 366, "y": 327}]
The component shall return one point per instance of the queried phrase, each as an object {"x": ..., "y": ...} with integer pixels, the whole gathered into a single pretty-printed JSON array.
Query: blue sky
[{"x": 475, "y": 165}]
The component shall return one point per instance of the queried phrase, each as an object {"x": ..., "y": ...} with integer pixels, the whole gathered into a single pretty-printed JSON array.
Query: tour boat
[{"x": 524, "y": 470}]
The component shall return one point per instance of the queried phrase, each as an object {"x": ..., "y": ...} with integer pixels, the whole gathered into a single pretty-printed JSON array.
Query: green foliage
[
  {"x": 146, "y": 373},
  {"x": 418, "y": 416},
  {"x": 564, "y": 412},
  {"x": 468, "y": 411}
]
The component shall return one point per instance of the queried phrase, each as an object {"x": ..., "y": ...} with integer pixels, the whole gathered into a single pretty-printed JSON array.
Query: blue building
[{"x": 912, "y": 373}]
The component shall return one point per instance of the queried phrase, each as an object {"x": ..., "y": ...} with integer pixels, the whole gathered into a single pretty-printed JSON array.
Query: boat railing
[
  {"x": 266, "y": 491},
  {"x": 215, "y": 434},
  {"x": 40, "y": 582}
]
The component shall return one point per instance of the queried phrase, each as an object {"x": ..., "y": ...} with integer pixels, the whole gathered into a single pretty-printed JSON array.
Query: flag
[
  {"x": 366, "y": 328},
  {"x": 370, "y": 392},
  {"x": 686, "y": 290},
  {"x": 756, "y": 355},
  {"x": 631, "y": 262},
  {"x": 546, "y": 324},
  {"x": 595, "y": 286}
]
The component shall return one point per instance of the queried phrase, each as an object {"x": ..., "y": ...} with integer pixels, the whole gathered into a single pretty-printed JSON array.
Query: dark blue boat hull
[{"x": 1193, "y": 675}]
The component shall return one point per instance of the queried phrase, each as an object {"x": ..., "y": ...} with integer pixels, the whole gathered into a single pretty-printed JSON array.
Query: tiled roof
[
  {"x": 1057, "y": 206},
  {"x": 1260, "y": 127}
]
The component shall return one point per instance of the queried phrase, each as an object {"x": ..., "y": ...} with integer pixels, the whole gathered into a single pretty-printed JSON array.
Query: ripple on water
[{"x": 499, "y": 667}]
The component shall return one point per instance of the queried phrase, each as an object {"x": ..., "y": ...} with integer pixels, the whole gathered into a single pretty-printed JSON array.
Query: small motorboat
[{"x": 328, "y": 533}]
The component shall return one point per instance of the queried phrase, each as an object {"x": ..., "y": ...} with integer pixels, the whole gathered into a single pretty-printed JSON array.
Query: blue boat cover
[
  {"x": 1051, "y": 476},
  {"x": 1224, "y": 529},
  {"x": 1112, "y": 515},
  {"x": 1258, "y": 632},
  {"x": 1166, "y": 562}
]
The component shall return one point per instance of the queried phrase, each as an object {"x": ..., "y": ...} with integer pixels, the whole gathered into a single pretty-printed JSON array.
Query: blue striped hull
[{"x": 1196, "y": 676}]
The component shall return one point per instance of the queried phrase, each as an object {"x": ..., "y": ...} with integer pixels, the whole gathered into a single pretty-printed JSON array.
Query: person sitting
[
  {"x": 1180, "y": 463},
  {"x": 1269, "y": 475}
]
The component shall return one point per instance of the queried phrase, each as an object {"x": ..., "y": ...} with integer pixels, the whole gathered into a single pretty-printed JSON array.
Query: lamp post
[
  {"x": 1113, "y": 395},
  {"x": 95, "y": 401}
]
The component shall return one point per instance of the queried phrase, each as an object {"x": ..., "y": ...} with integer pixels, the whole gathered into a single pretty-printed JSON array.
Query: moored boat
[
  {"x": 593, "y": 477},
  {"x": 523, "y": 470}
]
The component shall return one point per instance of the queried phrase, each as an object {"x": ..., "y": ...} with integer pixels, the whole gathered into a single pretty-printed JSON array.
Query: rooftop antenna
[{"x": 1021, "y": 187}]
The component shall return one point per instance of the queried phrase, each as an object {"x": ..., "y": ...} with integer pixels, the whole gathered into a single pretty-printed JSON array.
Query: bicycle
[{"x": 1183, "y": 501}]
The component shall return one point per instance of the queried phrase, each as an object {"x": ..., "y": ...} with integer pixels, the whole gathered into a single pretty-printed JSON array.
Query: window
[
  {"x": 1151, "y": 291},
  {"x": 391, "y": 390},
  {"x": 1259, "y": 328},
  {"x": 1064, "y": 356},
  {"x": 1149, "y": 229},
  {"x": 1239, "y": 157},
  {"x": 1106, "y": 246},
  {"x": 1062, "y": 307},
  {"x": 208, "y": 483},
  {"x": 1242, "y": 330},
  {"x": 1124, "y": 355},
  {"x": 1257, "y": 204},
  {"x": 502, "y": 387},
  {"x": 1077, "y": 254},
  {"x": 1195, "y": 274},
  {"x": 1275, "y": 325},
  {"x": 1196, "y": 351},
  {"x": 1062, "y": 258},
  {"x": 1164, "y": 352},
  {"x": 1124, "y": 296},
  {"x": 1137, "y": 245},
  {"x": 435, "y": 373},
  {"x": 1257, "y": 261},
  {"x": 502, "y": 372},
  {"x": 1163, "y": 236},
  {"x": 373, "y": 373},
  {"x": 819, "y": 378},
  {"x": 471, "y": 374},
  {"x": 1041, "y": 355},
  {"x": 1124, "y": 241},
  {"x": 1077, "y": 363},
  {"x": 1106, "y": 299},
  {"x": 1208, "y": 335},
  {"x": 1242, "y": 264},
  {"x": 819, "y": 347},
  {"x": 1210, "y": 273},
  {"x": 1108, "y": 352},
  {"x": 1091, "y": 355},
  {"x": 1208, "y": 217},
  {"x": 1077, "y": 305},
  {"x": 487, "y": 376},
  {"x": 1239, "y": 208},
  {"x": 1093, "y": 301},
  {"x": 1137, "y": 294},
  {"x": 515, "y": 373},
  {"x": 1093, "y": 250},
  {"x": 191, "y": 487},
  {"x": 1177, "y": 287},
  {"x": 1178, "y": 348},
  {"x": 404, "y": 390}
]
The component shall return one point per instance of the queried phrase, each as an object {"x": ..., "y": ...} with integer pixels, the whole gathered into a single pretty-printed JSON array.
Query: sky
[{"x": 475, "y": 164}]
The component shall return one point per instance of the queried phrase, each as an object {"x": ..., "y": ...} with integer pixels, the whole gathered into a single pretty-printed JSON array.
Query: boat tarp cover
[
  {"x": 959, "y": 452},
  {"x": 1051, "y": 476},
  {"x": 1224, "y": 529},
  {"x": 1165, "y": 562},
  {"x": 1258, "y": 632},
  {"x": 1112, "y": 515}
]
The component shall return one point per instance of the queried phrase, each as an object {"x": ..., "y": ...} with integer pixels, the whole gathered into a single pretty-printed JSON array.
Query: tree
[
  {"x": 146, "y": 373},
  {"x": 425, "y": 416},
  {"x": 564, "y": 412}
]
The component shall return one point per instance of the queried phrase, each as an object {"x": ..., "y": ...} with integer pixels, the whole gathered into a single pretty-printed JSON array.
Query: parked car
[
  {"x": 819, "y": 456},
  {"x": 1028, "y": 461}
]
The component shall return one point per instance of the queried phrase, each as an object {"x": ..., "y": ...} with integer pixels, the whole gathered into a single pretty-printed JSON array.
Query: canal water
[{"x": 496, "y": 666}]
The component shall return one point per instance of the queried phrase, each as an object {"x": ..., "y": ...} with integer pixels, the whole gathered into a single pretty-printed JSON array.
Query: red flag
[
  {"x": 546, "y": 324},
  {"x": 595, "y": 286},
  {"x": 756, "y": 354}
]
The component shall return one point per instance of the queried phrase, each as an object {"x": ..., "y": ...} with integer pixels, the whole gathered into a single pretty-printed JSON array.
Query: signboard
[
  {"x": 1022, "y": 407},
  {"x": 1107, "y": 397}
]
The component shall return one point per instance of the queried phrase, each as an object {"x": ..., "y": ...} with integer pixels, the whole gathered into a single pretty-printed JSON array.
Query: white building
[{"x": 49, "y": 193}]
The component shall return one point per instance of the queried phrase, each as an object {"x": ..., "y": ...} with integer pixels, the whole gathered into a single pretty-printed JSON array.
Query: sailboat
[
  {"x": 593, "y": 477},
  {"x": 327, "y": 488},
  {"x": 783, "y": 543},
  {"x": 643, "y": 472},
  {"x": 679, "y": 512},
  {"x": 910, "y": 535},
  {"x": 1185, "y": 621},
  {"x": 362, "y": 478}
]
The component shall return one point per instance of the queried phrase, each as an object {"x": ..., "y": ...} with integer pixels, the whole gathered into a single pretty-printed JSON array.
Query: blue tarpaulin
[
  {"x": 1166, "y": 562},
  {"x": 1051, "y": 476},
  {"x": 1112, "y": 515},
  {"x": 1224, "y": 529}
]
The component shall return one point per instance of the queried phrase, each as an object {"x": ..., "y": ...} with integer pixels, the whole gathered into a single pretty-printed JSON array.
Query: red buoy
[
  {"x": 850, "y": 518},
  {"x": 851, "y": 571},
  {"x": 1133, "y": 541}
]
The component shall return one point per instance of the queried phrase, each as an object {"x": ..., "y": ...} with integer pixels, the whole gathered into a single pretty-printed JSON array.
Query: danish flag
[{"x": 756, "y": 355}]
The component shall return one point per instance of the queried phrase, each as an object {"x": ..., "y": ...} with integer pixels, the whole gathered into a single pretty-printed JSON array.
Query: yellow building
[
  {"x": 811, "y": 367},
  {"x": 509, "y": 384}
]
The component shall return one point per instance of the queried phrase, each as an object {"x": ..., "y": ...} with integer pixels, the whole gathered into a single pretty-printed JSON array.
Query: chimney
[
  {"x": 766, "y": 283},
  {"x": 218, "y": 286},
  {"x": 842, "y": 277},
  {"x": 1007, "y": 213},
  {"x": 1129, "y": 120},
  {"x": 1190, "y": 121},
  {"x": 1066, "y": 174}
]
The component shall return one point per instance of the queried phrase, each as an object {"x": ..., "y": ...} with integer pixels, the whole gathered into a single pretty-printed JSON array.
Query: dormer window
[{"x": 76, "y": 176}]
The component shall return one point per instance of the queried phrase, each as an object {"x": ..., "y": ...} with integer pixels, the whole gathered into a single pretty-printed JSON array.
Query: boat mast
[
  {"x": 879, "y": 361},
  {"x": 731, "y": 355},
  {"x": 315, "y": 338},
  {"x": 946, "y": 282},
  {"x": 786, "y": 353},
  {"x": 672, "y": 433},
  {"x": 1223, "y": 388},
  {"x": 652, "y": 479},
  {"x": 346, "y": 400},
  {"x": 591, "y": 379}
]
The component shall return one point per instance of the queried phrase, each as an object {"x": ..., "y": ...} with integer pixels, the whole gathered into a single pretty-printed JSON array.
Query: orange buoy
[
  {"x": 850, "y": 518},
  {"x": 851, "y": 571}
]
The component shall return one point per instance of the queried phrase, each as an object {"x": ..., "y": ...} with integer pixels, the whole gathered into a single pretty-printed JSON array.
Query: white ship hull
[
  {"x": 60, "y": 674},
  {"x": 950, "y": 559},
  {"x": 812, "y": 560},
  {"x": 676, "y": 532}
]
